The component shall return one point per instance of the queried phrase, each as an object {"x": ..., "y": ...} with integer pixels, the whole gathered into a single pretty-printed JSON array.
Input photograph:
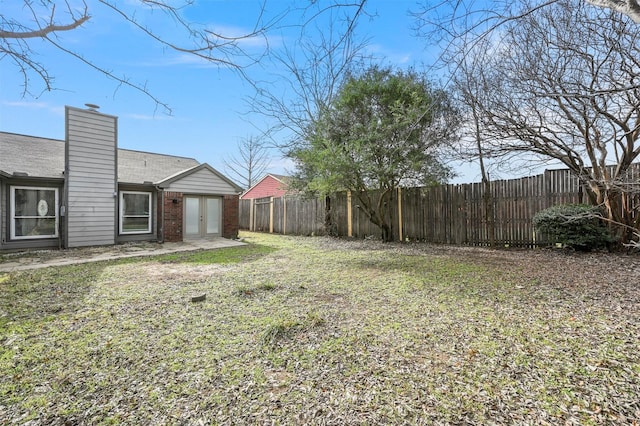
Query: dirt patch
[{"x": 603, "y": 276}]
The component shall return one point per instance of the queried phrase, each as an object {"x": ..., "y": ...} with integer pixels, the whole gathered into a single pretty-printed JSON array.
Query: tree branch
[{"x": 43, "y": 32}]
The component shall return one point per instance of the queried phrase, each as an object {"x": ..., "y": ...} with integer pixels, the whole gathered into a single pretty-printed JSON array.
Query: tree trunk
[
  {"x": 377, "y": 214},
  {"x": 386, "y": 233},
  {"x": 615, "y": 210},
  {"x": 487, "y": 199},
  {"x": 383, "y": 205},
  {"x": 328, "y": 226}
]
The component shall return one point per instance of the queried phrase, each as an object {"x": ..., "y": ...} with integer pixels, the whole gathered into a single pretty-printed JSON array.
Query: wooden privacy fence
[
  {"x": 284, "y": 215},
  {"x": 449, "y": 214}
]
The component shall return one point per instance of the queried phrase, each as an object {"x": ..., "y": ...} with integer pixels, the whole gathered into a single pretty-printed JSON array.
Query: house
[
  {"x": 85, "y": 191},
  {"x": 271, "y": 185}
]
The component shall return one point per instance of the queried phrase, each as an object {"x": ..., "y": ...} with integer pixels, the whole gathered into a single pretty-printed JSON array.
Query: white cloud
[
  {"x": 146, "y": 117},
  {"x": 36, "y": 105},
  {"x": 388, "y": 55},
  {"x": 178, "y": 60},
  {"x": 281, "y": 166},
  {"x": 242, "y": 36},
  {"x": 27, "y": 104},
  {"x": 187, "y": 59}
]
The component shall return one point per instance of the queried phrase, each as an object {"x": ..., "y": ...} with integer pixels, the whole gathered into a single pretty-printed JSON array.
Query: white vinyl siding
[
  {"x": 202, "y": 182},
  {"x": 34, "y": 212},
  {"x": 135, "y": 212}
]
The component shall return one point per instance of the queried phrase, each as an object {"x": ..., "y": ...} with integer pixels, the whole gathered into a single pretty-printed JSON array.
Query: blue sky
[{"x": 208, "y": 102}]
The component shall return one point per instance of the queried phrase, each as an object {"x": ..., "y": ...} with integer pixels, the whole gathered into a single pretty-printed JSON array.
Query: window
[
  {"x": 135, "y": 212},
  {"x": 34, "y": 212}
]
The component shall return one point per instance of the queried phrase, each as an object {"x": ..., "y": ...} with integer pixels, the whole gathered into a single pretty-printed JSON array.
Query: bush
[{"x": 575, "y": 225}]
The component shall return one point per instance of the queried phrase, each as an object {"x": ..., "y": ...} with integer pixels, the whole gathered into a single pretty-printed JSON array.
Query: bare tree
[
  {"x": 308, "y": 73},
  {"x": 565, "y": 85},
  {"x": 306, "y": 78},
  {"x": 48, "y": 20},
  {"x": 447, "y": 22},
  {"x": 251, "y": 162},
  {"x": 469, "y": 85}
]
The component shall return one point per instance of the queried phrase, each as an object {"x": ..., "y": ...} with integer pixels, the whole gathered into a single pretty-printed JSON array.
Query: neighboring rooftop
[
  {"x": 281, "y": 178},
  {"x": 43, "y": 157},
  {"x": 270, "y": 185}
]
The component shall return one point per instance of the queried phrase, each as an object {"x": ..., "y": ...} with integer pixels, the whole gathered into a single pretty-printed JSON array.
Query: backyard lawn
[{"x": 314, "y": 330}]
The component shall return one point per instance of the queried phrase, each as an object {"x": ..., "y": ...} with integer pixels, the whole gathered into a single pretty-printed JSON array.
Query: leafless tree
[
  {"x": 565, "y": 85},
  {"x": 447, "y": 22},
  {"x": 48, "y": 20},
  {"x": 251, "y": 162},
  {"x": 469, "y": 85},
  {"x": 307, "y": 74}
]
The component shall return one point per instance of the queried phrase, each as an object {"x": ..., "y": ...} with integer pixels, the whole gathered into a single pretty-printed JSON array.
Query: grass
[
  {"x": 311, "y": 331},
  {"x": 225, "y": 256}
]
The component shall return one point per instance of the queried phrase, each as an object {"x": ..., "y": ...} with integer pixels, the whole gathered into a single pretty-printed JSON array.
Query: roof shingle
[{"x": 43, "y": 157}]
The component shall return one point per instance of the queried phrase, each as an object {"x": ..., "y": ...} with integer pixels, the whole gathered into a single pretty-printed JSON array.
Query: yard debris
[{"x": 200, "y": 298}]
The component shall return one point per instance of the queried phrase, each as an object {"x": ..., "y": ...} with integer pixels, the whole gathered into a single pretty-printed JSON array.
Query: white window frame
[
  {"x": 121, "y": 214},
  {"x": 12, "y": 210}
]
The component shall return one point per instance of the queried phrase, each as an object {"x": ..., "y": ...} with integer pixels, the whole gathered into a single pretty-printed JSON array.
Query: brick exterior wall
[
  {"x": 172, "y": 216},
  {"x": 230, "y": 216}
]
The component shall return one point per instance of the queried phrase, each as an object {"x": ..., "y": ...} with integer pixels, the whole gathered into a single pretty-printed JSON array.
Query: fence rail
[{"x": 450, "y": 214}]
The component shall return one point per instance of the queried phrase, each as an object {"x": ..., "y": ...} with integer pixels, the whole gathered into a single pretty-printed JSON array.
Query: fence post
[
  {"x": 349, "y": 214},
  {"x": 400, "y": 213},
  {"x": 271, "y": 215},
  {"x": 251, "y": 207},
  {"x": 284, "y": 215}
]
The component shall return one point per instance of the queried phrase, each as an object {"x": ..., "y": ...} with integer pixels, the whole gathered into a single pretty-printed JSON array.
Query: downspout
[
  {"x": 60, "y": 208},
  {"x": 62, "y": 212},
  {"x": 160, "y": 225}
]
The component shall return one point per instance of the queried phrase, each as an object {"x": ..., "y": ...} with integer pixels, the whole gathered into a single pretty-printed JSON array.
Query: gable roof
[
  {"x": 43, "y": 157},
  {"x": 182, "y": 174},
  {"x": 266, "y": 187}
]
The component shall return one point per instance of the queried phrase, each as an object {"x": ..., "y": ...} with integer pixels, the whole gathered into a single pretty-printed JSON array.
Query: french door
[{"x": 202, "y": 216}]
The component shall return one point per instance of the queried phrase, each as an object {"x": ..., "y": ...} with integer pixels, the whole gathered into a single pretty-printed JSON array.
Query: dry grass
[{"x": 323, "y": 331}]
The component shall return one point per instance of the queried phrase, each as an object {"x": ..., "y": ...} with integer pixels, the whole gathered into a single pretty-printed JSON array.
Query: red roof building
[{"x": 270, "y": 185}]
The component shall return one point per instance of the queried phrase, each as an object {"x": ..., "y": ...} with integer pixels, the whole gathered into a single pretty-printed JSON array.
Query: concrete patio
[{"x": 35, "y": 259}]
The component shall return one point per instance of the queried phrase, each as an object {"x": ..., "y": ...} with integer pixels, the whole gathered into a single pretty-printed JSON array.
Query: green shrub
[{"x": 575, "y": 225}]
